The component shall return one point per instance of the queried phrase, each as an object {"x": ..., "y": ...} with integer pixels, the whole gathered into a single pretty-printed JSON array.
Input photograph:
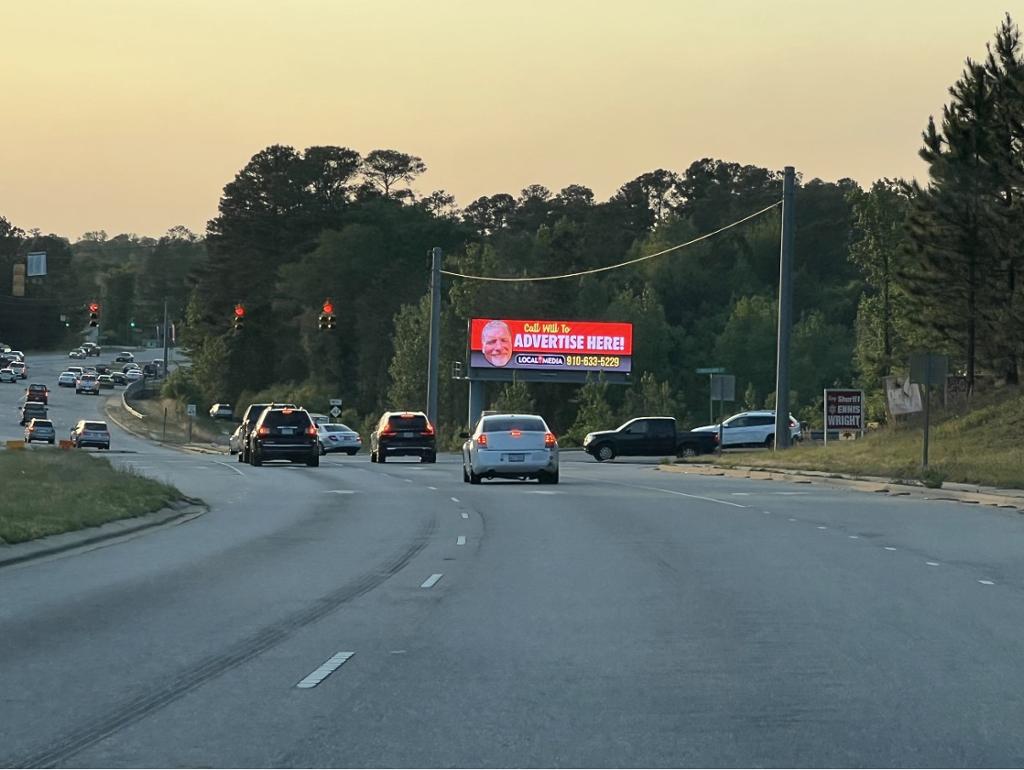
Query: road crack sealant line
[{"x": 140, "y": 707}]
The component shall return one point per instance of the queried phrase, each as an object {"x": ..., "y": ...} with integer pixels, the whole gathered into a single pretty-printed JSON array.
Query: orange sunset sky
[{"x": 131, "y": 115}]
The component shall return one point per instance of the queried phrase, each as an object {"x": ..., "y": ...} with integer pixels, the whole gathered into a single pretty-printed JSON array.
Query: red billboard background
[{"x": 555, "y": 345}]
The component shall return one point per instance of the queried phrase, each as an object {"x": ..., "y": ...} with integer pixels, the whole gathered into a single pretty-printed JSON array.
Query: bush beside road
[
  {"x": 48, "y": 492},
  {"x": 984, "y": 447}
]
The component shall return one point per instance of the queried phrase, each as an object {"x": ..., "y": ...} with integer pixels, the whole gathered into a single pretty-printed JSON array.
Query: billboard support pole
[
  {"x": 477, "y": 393},
  {"x": 785, "y": 312},
  {"x": 435, "y": 334}
]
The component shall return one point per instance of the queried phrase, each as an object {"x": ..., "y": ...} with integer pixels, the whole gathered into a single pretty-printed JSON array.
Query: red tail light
[
  {"x": 311, "y": 430},
  {"x": 429, "y": 430},
  {"x": 263, "y": 431},
  {"x": 389, "y": 431},
  {"x": 792, "y": 423},
  {"x": 516, "y": 433},
  {"x": 549, "y": 440},
  {"x": 481, "y": 440}
]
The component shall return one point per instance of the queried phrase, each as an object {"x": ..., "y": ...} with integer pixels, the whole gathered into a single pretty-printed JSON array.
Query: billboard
[{"x": 568, "y": 346}]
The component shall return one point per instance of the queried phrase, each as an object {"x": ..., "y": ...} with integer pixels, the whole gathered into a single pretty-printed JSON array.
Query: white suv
[{"x": 751, "y": 429}]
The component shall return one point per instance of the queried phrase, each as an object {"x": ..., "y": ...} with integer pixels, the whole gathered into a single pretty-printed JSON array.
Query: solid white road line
[
  {"x": 889, "y": 548},
  {"x": 461, "y": 540},
  {"x": 455, "y": 499},
  {"x": 822, "y": 527},
  {"x": 854, "y": 537},
  {"x": 673, "y": 492},
  {"x": 932, "y": 563},
  {"x": 333, "y": 664},
  {"x": 230, "y": 467},
  {"x": 986, "y": 582},
  {"x": 430, "y": 581},
  {"x": 339, "y": 492},
  {"x": 434, "y": 488}
]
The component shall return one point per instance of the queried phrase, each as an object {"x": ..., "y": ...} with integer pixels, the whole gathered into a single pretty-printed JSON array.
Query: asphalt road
[{"x": 627, "y": 617}]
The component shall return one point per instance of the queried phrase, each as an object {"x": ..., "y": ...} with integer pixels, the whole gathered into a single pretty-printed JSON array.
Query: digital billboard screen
[{"x": 580, "y": 346}]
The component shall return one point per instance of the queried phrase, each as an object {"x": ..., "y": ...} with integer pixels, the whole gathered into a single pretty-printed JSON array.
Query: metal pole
[
  {"x": 165, "y": 338},
  {"x": 477, "y": 396},
  {"x": 711, "y": 398},
  {"x": 435, "y": 334},
  {"x": 927, "y": 398},
  {"x": 785, "y": 312}
]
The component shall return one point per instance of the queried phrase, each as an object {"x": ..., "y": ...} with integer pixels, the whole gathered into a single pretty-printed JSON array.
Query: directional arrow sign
[{"x": 335, "y": 411}]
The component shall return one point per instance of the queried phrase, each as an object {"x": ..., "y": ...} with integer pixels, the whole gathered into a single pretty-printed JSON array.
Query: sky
[{"x": 132, "y": 115}]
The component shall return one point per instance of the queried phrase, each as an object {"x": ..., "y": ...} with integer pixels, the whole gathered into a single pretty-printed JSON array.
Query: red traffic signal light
[
  {"x": 239, "y": 311},
  {"x": 328, "y": 307},
  {"x": 94, "y": 307}
]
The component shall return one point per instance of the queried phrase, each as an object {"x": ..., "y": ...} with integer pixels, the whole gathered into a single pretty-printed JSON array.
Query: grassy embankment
[
  {"x": 984, "y": 446},
  {"x": 49, "y": 491}
]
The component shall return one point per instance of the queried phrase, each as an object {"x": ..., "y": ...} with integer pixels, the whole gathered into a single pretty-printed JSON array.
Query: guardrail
[{"x": 133, "y": 389}]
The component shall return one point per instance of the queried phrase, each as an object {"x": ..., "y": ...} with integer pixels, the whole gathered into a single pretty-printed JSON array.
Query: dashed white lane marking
[
  {"x": 407, "y": 481},
  {"x": 932, "y": 563},
  {"x": 461, "y": 540},
  {"x": 889, "y": 548},
  {"x": 202, "y": 467},
  {"x": 230, "y": 467},
  {"x": 791, "y": 494},
  {"x": 740, "y": 494},
  {"x": 434, "y": 488},
  {"x": 465, "y": 515},
  {"x": 455, "y": 499},
  {"x": 333, "y": 664},
  {"x": 673, "y": 492},
  {"x": 339, "y": 491},
  {"x": 854, "y": 537},
  {"x": 792, "y": 519},
  {"x": 822, "y": 527},
  {"x": 542, "y": 492},
  {"x": 430, "y": 581},
  {"x": 986, "y": 582}
]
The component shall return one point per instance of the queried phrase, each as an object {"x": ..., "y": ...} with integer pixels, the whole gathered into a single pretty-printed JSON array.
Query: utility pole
[
  {"x": 165, "y": 338},
  {"x": 435, "y": 334},
  {"x": 782, "y": 436}
]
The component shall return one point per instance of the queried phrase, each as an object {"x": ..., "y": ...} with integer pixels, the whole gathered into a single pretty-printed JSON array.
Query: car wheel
[
  {"x": 474, "y": 478},
  {"x": 77, "y": 391},
  {"x": 604, "y": 452},
  {"x": 381, "y": 457},
  {"x": 352, "y": 453},
  {"x": 320, "y": 447},
  {"x": 548, "y": 478},
  {"x": 465, "y": 474},
  {"x": 430, "y": 458},
  {"x": 769, "y": 442},
  {"x": 50, "y": 442},
  {"x": 314, "y": 460},
  {"x": 687, "y": 451},
  {"x": 255, "y": 458}
]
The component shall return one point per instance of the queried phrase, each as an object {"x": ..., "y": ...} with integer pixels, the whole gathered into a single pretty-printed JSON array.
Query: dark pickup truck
[{"x": 648, "y": 436}]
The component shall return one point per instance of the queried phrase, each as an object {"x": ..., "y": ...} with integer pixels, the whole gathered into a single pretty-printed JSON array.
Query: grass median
[
  {"x": 983, "y": 446},
  {"x": 48, "y": 491}
]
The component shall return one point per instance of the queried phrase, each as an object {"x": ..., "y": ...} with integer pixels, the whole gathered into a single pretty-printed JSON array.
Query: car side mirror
[{"x": 463, "y": 435}]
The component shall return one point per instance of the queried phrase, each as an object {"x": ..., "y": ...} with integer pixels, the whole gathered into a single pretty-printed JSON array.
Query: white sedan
[
  {"x": 66, "y": 379},
  {"x": 133, "y": 375},
  {"x": 336, "y": 437},
  {"x": 77, "y": 353},
  {"x": 7, "y": 375},
  {"x": 510, "y": 446}
]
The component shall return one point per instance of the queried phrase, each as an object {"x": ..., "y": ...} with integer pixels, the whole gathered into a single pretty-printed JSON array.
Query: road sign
[
  {"x": 844, "y": 411},
  {"x": 335, "y": 411},
  {"x": 190, "y": 410},
  {"x": 36, "y": 262},
  {"x": 723, "y": 387},
  {"x": 711, "y": 370},
  {"x": 335, "y": 402},
  {"x": 928, "y": 368}
]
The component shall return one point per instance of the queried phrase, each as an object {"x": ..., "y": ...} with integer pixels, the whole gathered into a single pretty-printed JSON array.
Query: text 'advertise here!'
[{"x": 553, "y": 345}]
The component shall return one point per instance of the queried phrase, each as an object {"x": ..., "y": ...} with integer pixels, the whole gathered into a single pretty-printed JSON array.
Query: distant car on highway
[
  {"x": 7, "y": 375},
  {"x": 648, "y": 436},
  {"x": 235, "y": 440},
  {"x": 20, "y": 369},
  {"x": 88, "y": 383},
  {"x": 118, "y": 378},
  {"x": 105, "y": 381},
  {"x": 222, "y": 412},
  {"x": 90, "y": 433},
  {"x": 40, "y": 430},
  {"x": 32, "y": 410},
  {"x": 66, "y": 379},
  {"x": 91, "y": 349},
  {"x": 124, "y": 357},
  {"x": 77, "y": 353},
  {"x": 249, "y": 418},
  {"x": 756, "y": 428},
  {"x": 133, "y": 375},
  {"x": 76, "y": 370},
  {"x": 510, "y": 446},
  {"x": 403, "y": 434},
  {"x": 284, "y": 434},
  {"x": 338, "y": 437},
  {"x": 37, "y": 392}
]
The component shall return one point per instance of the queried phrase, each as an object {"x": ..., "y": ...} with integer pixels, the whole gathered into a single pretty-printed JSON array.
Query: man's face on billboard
[{"x": 496, "y": 344}]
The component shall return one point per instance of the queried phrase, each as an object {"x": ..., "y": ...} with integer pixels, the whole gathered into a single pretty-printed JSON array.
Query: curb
[
  {"x": 19, "y": 553},
  {"x": 877, "y": 485},
  {"x": 182, "y": 447}
]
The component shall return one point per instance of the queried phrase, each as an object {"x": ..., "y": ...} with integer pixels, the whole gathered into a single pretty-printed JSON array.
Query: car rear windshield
[
  {"x": 410, "y": 422},
  {"x": 95, "y": 426},
  {"x": 43, "y": 424},
  {"x": 277, "y": 417},
  {"x": 500, "y": 424},
  {"x": 337, "y": 428}
]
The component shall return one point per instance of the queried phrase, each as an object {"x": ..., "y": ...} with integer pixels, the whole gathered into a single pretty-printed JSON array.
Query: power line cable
[{"x": 620, "y": 264}]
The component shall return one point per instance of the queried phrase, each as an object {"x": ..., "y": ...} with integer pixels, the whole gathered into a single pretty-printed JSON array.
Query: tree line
[{"x": 900, "y": 266}]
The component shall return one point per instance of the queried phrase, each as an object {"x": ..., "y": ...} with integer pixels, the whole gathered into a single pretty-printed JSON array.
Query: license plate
[
  {"x": 285, "y": 431},
  {"x": 516, "y": 458},
  {"x": 407, "y": 434}
]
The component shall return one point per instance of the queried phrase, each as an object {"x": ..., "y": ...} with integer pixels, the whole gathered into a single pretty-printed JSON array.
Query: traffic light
[
  {"x": 327, "y": 320},
  {"x": 239, "y": 318},
  {"x": 94, "y": 314}
]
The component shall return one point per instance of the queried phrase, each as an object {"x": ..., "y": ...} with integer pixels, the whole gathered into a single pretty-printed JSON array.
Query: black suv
[
  {"x": 252, "y": 414},
  {"x": 284, "y": 434},
  {"x": 403, "y": 434}
]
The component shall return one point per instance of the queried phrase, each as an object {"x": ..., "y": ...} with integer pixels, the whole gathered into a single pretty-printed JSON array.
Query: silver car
[
  {"x": 510, "y": 446},
  {"x": 236, "y": 439},
  {"x": 338, "y": 437}
]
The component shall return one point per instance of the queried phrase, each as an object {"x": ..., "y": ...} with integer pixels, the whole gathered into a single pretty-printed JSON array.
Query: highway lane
[{"x": 626, "y": 617}]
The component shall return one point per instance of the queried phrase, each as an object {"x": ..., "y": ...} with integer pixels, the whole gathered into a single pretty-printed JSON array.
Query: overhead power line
[{"x": 628, "y": 262}]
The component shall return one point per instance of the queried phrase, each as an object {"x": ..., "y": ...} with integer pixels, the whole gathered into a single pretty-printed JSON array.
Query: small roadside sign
[
  {"x": 191, "y": 410},
  {"x": 335, "y": 402},
  {"x": 335, "y": 411},
  {"x": 844, "y": 410},
  {"x": 723, "y": 387},
  {"x": 711, "y": 370}
]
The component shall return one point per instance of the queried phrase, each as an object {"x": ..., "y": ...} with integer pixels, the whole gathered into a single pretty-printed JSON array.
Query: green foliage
[
  {"x": 515, "y": 397},
  {"x": 650, "y": 398},
  {"x": 933, "y": 477},
  {"x": 594, "y": 412}
]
